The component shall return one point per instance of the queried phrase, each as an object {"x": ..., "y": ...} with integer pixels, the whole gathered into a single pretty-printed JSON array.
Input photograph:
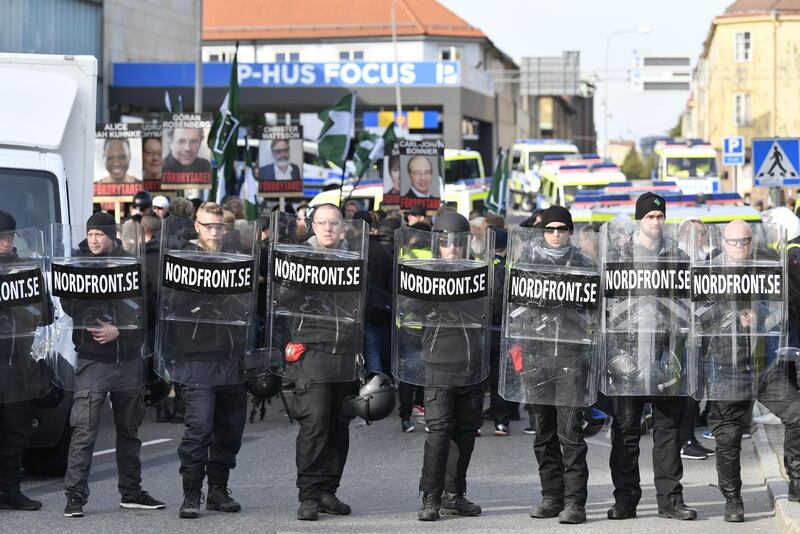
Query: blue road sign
[
  {"x": 776, "y": 161},
  {"x": 733, "y": 150}
]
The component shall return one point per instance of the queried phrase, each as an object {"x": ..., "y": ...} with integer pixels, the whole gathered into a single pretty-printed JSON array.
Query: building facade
[
  {"x": 746, "y": 79},
  {"x": 297, "y": 59}
]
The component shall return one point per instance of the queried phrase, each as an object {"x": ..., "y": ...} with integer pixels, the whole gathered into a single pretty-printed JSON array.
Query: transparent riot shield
[
  {"x": 98, "y": 281},
  {"x": 316, "y": 297},
  {"x": 645, "y": 313},
  {"x": 550, "y": 319},
  {"x": 207, "y": 289},
  {"x": 442, "y": 308},
  {"x": 738, "y": 319},
  {"x": 25, "y": 313}
]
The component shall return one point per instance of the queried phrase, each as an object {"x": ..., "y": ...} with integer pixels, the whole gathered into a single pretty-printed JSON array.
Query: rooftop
[{"x": 281, "y": 20}]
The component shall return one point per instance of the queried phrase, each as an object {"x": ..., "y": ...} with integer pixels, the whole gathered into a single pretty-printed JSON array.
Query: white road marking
[{"x": 145, "y": 444}]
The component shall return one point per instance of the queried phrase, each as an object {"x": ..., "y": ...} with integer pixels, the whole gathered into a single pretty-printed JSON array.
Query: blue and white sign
[
  {"x": 338, "y": 74},
  {"x": 733, "y": 150},
  {"x": 776, "y": 162}
]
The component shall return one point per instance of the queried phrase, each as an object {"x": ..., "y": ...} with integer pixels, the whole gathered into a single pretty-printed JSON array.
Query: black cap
[
  {"x": 557, "y": 214},
  {"x": 649, "y": 202},
  {"x": 7, "y": 222},
  {"x": 417, "y": 209},
  {"x": 104, "y": 222}
]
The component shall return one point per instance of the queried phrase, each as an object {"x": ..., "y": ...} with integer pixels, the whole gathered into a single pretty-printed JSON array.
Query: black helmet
[
  {"x": 264, "y": 386},
  {"x": 142, "y": 200},
  {"x": 451, "y": 222},
  {"x": 375, "y": 400},
  {"x": 156, "y": 391}
]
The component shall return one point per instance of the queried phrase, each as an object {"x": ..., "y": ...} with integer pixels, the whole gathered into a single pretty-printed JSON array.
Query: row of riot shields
[{"x": 645, "y": 309}]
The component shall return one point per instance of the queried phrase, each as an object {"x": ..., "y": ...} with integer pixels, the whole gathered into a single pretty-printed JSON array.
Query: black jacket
[
  {"x": 209, "y": 335},
  {"x": 123, "y": 311}
]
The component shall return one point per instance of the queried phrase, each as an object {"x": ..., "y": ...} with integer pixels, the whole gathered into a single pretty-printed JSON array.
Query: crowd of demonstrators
[{"x": 559, "y": 443}]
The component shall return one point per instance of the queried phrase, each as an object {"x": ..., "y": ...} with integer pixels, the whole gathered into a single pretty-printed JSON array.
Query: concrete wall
[{"x": 148, "y": 30}]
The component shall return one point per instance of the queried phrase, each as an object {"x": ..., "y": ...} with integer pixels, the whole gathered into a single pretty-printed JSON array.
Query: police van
[
  {"x": 562, "y": 180},
  {"x": 527, "y": 156},
  {"x": 47, "y": 105},
  {"x": 692, "y": 165}
]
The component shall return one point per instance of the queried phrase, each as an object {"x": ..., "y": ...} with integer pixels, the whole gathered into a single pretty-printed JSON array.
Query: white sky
[{"x": 537, "y": 28}]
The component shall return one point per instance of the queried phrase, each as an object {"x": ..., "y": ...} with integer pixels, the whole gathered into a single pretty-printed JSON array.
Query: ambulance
[
  {"x": 527, "y": 156},
  {"x": 692, "y": 165},
  {"x": 562, "y": 180}
]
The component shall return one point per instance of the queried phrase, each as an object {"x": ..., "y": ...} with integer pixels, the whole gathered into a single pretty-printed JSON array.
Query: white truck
[{"x": 47, "y": 109}]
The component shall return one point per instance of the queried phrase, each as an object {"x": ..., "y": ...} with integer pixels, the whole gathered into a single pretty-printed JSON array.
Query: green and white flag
[
  {"x": 370, "y": 149},
  {"x": 334, "y": 139},
  {"x": 223, "y": 137},
  {"x": 249, "y": 191},
  {"x": 498, "y": 194}
]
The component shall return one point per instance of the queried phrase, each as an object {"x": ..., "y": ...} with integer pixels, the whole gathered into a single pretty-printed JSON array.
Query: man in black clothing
[
  {"x": 208, "y": 360},
  {"x": 322, "y": 359},
  {"x": 109, "y": 339},
  {"x": 18, "y": 372},
  {"x": 648, "y": 244},
  {"x": 556, "y": 374},
  {"x": 455, "y": 365}
]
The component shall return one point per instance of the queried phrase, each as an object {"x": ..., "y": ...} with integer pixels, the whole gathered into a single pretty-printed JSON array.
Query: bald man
[{"x": 727, "y": 419}]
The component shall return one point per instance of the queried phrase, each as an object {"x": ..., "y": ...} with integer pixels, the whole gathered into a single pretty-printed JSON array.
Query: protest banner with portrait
[
  {"x": 420, "y": 173},
  {"x": 186, "y": 156},
  {"x": 117, "y": 161},
  {"x": 280, "y": 160},
  {"x": 152, "y": 151},
  {"x": 391, "y": 175}
]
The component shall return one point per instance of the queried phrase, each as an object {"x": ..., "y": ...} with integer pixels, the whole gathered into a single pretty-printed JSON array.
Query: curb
[{"x": 787, "y": 513}]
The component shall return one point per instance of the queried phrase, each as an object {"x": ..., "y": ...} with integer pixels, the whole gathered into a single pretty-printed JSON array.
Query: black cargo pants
[
  {"x": 215, "y": 419},
  {"x": 624, "y": 460},
  {"x": 453, "y": 414},
  {"x": 324, "y": 437},
  {"x": 16, "y": 427}
]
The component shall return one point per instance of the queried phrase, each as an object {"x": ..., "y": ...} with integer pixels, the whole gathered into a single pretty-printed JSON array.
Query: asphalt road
[{"x": 380, "y": 483}]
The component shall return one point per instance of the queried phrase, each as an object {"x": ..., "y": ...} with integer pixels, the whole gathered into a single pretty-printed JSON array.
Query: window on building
[
  {"x": 344, "y": 55},
  {"x": 450, "y": 53},
  {"x": 741, "y": 111},
  {"x": 358, "y": 55},
  {"x": 294, "y": 57},
  {"x": 743, "y": 47},
  {"x": 213, "y": 57},
  {"x": 280, "y": 57}
]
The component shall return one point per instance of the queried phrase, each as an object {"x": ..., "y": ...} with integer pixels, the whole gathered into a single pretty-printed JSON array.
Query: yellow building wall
[{"x": 773, "y": 86}]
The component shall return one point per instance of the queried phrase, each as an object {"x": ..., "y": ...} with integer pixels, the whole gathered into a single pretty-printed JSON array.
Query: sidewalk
[{"x": 768, "y": 441}]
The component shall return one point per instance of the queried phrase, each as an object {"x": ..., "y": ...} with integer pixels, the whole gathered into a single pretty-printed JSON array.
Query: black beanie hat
[
  {"x": 104, "y": 222},
  {"x": 557, "y": 214},
  {"x": 7, "y": 222},
  {"x": 650, "y": 202}
]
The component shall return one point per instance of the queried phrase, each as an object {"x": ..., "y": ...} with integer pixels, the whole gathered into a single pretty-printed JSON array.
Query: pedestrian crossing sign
[{"x": 776, "y": 162}]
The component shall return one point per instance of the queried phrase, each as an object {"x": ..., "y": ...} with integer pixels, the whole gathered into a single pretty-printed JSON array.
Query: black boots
[
  {"x": 792, "y": 466},
  {"x": 190, "y": 509},
  {"x": 457, "y": 504},
  {"x": 572, "y": 514},
  {"x": 309, "y": 510},
  {"x": 676, "y": 509},
  {"x": 329, "y": 503},
  {"x": 429, "y": 509},
  {"x": 219, "y": 499},
  {"x": 622, "y": 510},
  {"x": 734, "y": 509},
  {"x": 546, "y": 509},
  {"x": 16, "y": 500}
]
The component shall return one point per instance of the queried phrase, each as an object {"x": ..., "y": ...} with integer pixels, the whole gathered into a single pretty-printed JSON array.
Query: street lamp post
[
  {"x": 399, "y": 113},
  {"x": 643, "y": 29}
]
